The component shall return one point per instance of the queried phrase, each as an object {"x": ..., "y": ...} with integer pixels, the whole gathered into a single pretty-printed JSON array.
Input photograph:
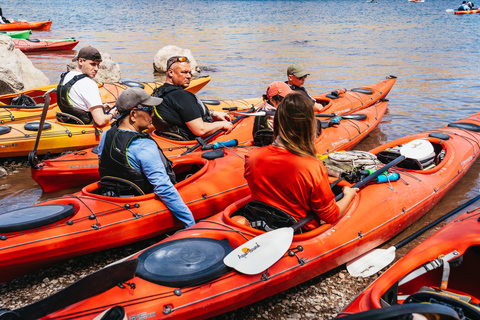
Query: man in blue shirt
[{"x": 127, "y": 153}]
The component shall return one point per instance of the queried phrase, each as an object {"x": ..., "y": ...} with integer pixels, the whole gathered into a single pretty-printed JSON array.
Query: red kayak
[
  {"x": 449, "y": 257},
  {"x": 476, "y": 10},
  {"x": 30, "y": 45},
  {"x": 81, "y": 167},
  {"x": 222, "y": 263},
  {"x": 206, "y": 191},
  {"x": 34, "y": 25}
]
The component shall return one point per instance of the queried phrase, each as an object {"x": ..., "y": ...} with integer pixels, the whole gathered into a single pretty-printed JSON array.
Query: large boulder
[
  {"x": 17, "y": 72},
  {"x": 160, "y": 59},
  {"x": 108, "y": 72}
]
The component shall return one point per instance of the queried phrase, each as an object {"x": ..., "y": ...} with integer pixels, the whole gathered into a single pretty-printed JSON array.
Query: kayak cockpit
[
  {"x": 186, "y": 171},
  {"x": 452, "y": 272}
]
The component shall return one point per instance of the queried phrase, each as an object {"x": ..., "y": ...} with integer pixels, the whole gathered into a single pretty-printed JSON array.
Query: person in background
[
  {"x": 287, "y": 174},
  {"x": 182, "y": 114},
  {"x": 276, "y": 91},
  {"x": 296, "y": 76},
  {"x": 464, "y": 6},
  {"x": 471, "y": 5},
  {"x": 126, "y": 152},
  {"x": 2, "y": 18},
  {"x": 77, "y": 92}
]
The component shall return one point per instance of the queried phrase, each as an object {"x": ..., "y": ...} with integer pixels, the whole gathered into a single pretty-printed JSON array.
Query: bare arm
[
  {"x": 201, "y": 128},
  {"x": 101, "y": 118},
  {"x": 348, "y": 196}
]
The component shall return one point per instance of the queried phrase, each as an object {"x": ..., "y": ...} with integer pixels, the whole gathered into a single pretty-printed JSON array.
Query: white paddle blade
[
  {"x": 371, "y": 262},
  {"x": 417, "y": 149},
  {"x": 450, "y": 10},
  {"x": 259, "y": 253}
]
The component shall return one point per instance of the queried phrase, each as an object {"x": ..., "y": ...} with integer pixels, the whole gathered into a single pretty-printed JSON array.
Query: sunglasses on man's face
[
  {"x": 304, "y": 77},
  {"x": 173, "y": 60},
  {"x": 146, "y": 109}
]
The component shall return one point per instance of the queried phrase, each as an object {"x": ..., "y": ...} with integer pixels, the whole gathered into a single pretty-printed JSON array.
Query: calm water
[{"x": 245, "y": 45}]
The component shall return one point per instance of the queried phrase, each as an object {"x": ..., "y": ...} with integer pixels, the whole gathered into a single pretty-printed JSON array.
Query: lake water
[{"x": 245, "y": 45}]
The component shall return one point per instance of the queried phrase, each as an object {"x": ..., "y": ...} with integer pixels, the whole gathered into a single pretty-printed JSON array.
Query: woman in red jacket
[{"x": 287, "y": 174}]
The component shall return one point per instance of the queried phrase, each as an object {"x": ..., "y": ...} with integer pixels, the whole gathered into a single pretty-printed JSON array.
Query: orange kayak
[
  {"x": 34, "y": 25},
  {"x": 450, "y": 256},
  {"x": 81, "y": 167},
  {"x": 30, "y": 45},
  {"x": 108, "y": 91},
  {"x": 184, "y": 276}
]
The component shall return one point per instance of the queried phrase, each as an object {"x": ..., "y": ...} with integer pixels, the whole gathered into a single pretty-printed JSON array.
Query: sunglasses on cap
[
  {"x": 173, "y": 60},
  {"x": 146, "y": 109}
]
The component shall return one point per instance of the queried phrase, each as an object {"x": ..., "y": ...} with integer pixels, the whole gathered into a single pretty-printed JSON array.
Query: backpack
[
  {"x": 23, "y": 100},
  {"x": 349, "y": 164}
]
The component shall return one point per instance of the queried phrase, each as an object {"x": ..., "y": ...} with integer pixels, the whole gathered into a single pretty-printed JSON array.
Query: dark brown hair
[{"x": 295, "y": 124}]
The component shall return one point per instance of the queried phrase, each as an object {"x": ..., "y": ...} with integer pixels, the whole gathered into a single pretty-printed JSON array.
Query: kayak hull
[
  {"x": 458, "y": 238},
  {"x": 387, "y": 206},
  {"x": 34, "y": 25},
  {"x": 26, "y": 45},
  {"x": 108, "y": 92},
  {"x": 468, "y": 11},
  {"x": 115, "y": 224},
  {"x": 23, "y": 34},
  {"x": 81, "y": 167}
]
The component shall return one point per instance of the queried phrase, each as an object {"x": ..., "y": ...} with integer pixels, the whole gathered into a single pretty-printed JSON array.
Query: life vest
[
  {"x": 64, "y": 102},
  {"x": 114, "y": 161},
  {"x": 161, "y": 92}
]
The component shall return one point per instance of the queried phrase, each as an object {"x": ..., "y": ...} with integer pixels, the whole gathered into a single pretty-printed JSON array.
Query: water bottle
[{"x": 393, "y": 176}]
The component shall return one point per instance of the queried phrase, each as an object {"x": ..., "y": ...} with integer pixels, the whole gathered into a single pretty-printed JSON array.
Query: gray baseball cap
[
  {"x": 297, "y": 70},
  {"x": 132, "y": 97}
]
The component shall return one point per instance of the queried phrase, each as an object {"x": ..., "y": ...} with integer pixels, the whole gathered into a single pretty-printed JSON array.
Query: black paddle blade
[{"x": 93, "y": 284}]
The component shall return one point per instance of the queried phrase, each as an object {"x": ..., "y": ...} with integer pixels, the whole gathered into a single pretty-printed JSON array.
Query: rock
[
  {"x": 18, "y": 72},
  {"x": 160, "y": 59},
  {"x": 108, "y": 72},
  {"x": 3, "y": 172}
]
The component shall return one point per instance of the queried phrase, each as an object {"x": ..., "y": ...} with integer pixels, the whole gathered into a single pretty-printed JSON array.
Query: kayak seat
[
  {"x": 388, "y": 155},
  {"x": 117, "y": 187},
  {"x": 265, "y": 217},
  {"x": 68, "y": 118},
  {"x": 184, "y": 262},
  {"x": 34, "y": 126},
  {"x": 34, "y": 217},
  {"x": 5, "y": 129},
  {"x": 461, "y": 304},
  {"x": 263, "y": 137}
]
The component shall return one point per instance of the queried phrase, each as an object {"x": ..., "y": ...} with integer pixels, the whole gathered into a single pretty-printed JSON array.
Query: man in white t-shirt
[{"x": 77, "y": 92}]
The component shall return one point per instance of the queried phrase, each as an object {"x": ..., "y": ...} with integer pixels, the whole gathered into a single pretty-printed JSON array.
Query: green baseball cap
[{"x": 296, "y": 70}]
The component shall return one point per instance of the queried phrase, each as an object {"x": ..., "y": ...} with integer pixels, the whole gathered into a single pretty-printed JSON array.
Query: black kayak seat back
[
  {"x": 34, "y": 126},
  {"x": 265, "y": 217},
  {"x": 68, "y": 118},
  {"x": 465, "y": 126},
  {"x": 95, "y": 149},
  {"x": 404, "y": 311},
  {"x": 184, "y": 262},
  {"x": 5, "y": 129},
  {"x": 34, "y": 217},
  {"x": 118, "y": 187}
]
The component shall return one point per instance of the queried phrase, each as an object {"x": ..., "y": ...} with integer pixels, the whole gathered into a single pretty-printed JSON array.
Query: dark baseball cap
[
  {"x": 89, "y": 53},
  {"x": 132, "y": 97}
]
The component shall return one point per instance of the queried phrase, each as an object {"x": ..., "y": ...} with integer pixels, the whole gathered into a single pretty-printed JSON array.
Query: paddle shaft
[
  {"x": 42, "y": 120},
  {"x": 210, "y": 137},
  {"x": 373, "y": 175},
  {"x": 10, "y": 106},
  {"x": 434, "y": 223}
]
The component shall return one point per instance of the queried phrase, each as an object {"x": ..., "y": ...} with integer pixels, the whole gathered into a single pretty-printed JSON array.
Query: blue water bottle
[{"x": 393, "y": 176}]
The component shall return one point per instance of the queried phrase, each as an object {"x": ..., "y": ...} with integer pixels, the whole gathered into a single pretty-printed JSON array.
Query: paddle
[
  {"x": 32, "y": 156},
  {"x": 9, "y": 106},
  {"x": 377, "y": 259},
  {"x": 261, "y": 252},
  {"x": 210, "y": 137},
  {"x": 89, "y": 286},
  {"x": 328, "y": 115},
  {"x": 450, "y": 10}
]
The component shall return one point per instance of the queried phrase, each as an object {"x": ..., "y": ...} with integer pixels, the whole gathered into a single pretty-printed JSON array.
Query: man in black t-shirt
[
  {"x": 297, "y": 75},
  {"x": 182, "y": 115}
]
